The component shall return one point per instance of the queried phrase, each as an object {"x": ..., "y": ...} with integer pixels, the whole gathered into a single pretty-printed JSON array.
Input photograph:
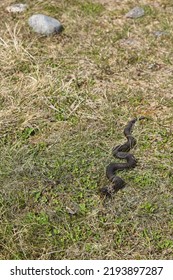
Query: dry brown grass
[{"x": 64, "y": 101}]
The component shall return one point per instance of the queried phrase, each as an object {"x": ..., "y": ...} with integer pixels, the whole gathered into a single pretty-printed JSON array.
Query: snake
[{"x": 121, "y": 152}]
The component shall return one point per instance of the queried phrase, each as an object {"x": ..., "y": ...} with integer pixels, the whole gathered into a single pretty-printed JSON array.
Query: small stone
[
  {"x": 72, "y": 208},
  {"x": 17, "y": 8},
  {"x": 159, "y": 33},
  {"x": 129, "y": 42},
  {"x": 135, "y": 13},
  {"x": 45, "y": 25}
]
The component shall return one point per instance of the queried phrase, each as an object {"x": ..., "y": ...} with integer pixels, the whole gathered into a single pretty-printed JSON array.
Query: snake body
[{"x": 121, "y": 152}]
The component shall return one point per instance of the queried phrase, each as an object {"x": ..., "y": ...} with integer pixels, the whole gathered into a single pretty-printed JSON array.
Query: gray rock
[
  {"x": 17, "y": 8},
  {"x": 135, "y": 13},
  {"x": 160, "y": 33},
  {"x": 45, "y": 25}
]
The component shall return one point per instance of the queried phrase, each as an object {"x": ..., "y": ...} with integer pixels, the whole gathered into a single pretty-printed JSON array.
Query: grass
[{"x": 64, "y": 101}]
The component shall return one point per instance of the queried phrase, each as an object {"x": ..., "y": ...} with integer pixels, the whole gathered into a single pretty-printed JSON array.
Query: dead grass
[{"x": 64, "y": 101}]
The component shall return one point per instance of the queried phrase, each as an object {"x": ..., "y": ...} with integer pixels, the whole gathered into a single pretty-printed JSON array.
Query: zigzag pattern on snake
[{"x": 121, "y": 152}]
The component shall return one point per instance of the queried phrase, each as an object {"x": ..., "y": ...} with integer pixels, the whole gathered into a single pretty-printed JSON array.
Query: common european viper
[{"x": 121, "y": 152}]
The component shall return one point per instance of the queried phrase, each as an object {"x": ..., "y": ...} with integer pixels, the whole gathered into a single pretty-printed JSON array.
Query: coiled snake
[{"x": 121, "y": 152}]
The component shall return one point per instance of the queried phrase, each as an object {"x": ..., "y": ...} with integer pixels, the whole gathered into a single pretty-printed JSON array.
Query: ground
[{"x": 64, "y": 101}]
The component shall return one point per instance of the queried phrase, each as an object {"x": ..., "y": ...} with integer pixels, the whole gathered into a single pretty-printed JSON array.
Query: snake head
[
  {"x": 105, "y": 191},
  {"x": 117, "y": 184}
]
